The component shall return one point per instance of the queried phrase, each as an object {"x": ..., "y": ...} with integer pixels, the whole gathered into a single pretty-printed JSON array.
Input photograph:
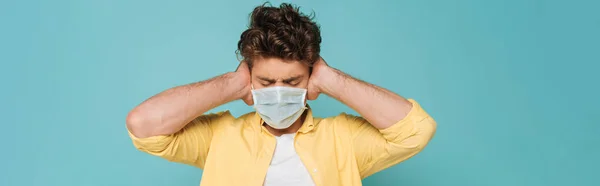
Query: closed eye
[
  {"x": 266, "y": 81},
  {"x": 293, "y": 81}
]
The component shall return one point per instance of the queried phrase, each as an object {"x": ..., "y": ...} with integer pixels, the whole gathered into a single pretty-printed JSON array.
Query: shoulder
[
  {"x": 225, "y": 116},
  {"x": 340, "y": 122},
  {"x": 344, "y": 118},
  {"x": 226, "y": 120},
  {"x": 247, "y": 116}
]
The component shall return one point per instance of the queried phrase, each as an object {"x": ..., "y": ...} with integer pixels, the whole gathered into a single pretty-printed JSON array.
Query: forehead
[{"x": 275, "y": 68}]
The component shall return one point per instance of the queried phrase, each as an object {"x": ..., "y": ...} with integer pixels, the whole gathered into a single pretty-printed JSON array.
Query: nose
[{"x": 279, "y": 83}]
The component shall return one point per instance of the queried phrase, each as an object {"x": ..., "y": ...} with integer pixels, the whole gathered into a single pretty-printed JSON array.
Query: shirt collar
[{"x": 308, "y": 124}]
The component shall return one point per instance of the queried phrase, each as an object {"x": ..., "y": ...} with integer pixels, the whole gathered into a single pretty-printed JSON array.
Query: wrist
[
  {"x": 236, "y": 86},
  {"x": 331, "y": 80}
]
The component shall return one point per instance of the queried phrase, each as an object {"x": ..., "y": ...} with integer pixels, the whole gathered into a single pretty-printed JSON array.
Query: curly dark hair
[{"x": 282, "y": 32}]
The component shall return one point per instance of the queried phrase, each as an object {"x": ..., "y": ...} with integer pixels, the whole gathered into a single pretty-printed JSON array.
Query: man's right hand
[
  {"x": 243, "y": 73},
  {"x": 169, "y": 111}
]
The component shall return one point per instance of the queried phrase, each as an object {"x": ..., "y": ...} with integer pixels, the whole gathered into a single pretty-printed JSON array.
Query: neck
[{"x": 292, "y": 129}]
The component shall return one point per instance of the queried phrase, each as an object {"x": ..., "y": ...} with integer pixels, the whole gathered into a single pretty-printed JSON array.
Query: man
[{"x": 281, "y": 143}]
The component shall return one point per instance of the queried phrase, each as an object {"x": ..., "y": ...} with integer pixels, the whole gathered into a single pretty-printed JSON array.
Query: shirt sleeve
[
  {"x": 378, "y": 149},
  {"x": 190, "y": 145}
]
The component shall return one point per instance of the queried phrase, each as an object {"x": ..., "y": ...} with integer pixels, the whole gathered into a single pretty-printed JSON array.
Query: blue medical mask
[{"x": 279, "y": 106}]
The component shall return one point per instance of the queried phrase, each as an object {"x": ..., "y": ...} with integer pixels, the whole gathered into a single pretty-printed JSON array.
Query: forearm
[
  {"x": 170, "y": 110},
  {"x": 381, "y": 107}
]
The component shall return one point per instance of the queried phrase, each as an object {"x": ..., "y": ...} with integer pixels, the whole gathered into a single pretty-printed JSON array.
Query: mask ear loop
[
  {"x": 254, "y": 100},
  {"x": 305, "y": 100},
  {"x": 253, "y": 97}
]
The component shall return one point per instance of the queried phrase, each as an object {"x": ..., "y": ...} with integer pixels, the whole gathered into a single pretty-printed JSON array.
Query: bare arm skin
[
  {"x": 171, "y": 110},
  {"x": 381, "y": 107}
]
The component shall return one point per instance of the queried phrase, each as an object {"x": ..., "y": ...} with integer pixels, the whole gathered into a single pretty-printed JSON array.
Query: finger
[
  {"x": 241, "y": 66},
  {"x": 249, "y": 103},
  {"x": 248, "y": 100},
  {"x": 312, "y": 95},
  {"x": 321, "y": 60}
]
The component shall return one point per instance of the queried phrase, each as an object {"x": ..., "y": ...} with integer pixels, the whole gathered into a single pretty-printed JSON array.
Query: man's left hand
[{"x": 321, "y": 72}]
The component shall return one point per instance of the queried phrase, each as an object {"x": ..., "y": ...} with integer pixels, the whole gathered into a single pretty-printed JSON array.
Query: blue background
[{"x": 512, "y": 84}]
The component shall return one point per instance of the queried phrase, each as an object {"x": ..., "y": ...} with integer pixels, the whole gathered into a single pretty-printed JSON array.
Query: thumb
[
  {"x": 312, "y": 94},
  {"x": 243, "y": 66},
  {"x": 248, "y": 100}
]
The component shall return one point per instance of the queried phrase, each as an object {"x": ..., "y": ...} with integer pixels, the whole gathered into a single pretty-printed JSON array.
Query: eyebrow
[
  {"x": 285, "y": 80},
  {"x": 292, "y": 78},
  {"x": 266, "y": 79}
]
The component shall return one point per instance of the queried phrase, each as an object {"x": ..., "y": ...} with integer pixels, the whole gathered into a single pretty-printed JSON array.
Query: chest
[
  {"x": 259, "y": 158},
  {"x": 286, "y": 167}
]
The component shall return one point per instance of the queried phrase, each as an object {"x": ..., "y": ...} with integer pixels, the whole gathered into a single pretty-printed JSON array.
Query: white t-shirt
[{"x": 286, "y": 168}]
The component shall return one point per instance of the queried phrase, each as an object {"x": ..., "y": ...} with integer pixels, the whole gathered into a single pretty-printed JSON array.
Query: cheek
[
  {"x": 303, "y": 84},
  {"x": 255, "y": 84}
]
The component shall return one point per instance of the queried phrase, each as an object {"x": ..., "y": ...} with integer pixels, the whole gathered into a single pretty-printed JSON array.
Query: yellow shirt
[{"x": 339, "y": 150}]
